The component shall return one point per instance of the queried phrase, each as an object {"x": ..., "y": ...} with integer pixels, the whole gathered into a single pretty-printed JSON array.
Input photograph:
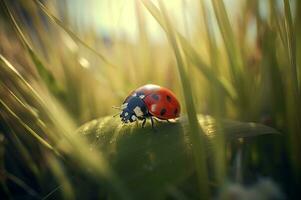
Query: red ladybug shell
[{"x": 161, "y": 102}]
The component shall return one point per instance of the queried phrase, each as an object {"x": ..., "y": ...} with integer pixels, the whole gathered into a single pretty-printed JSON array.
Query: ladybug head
[
  {"x": 127, "y": 116},
  {"x": 133, "y": 109}
]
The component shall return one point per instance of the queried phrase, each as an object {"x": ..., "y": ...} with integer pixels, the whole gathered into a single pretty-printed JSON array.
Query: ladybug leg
[
  {"x": 168, "y": 121},
  {"x": 143, "y": 123},
  {"x": 152, "y": 121},
  {"x": 153, "y": 127}
]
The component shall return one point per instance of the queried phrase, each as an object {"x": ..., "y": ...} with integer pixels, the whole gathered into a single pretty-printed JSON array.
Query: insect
[{"x": 150, "y": 101}]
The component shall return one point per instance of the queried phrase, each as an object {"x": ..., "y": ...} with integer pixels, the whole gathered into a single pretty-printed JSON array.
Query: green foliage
[
  {"x": 160, "y": 158},
  {"x": 56, "y": 74},
  {"x": 195, "y": 132},
  {"x": 61, "y": 145},
  {"x": 45, "y": 74}
]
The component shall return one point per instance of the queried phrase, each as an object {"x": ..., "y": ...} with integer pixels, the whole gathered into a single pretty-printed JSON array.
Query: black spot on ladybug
[
  {"x": 175, "y": 111},
  {"x": 155, "y": 96},
  {"x": 168, "y": 98},
  {"x": 163, "y": 111}
]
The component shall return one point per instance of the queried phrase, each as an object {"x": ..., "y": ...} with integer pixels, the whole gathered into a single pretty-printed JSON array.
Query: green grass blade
[
  {"x": 5, "y": 64},
  {"x": 192, "y": 55},
  {"x": 196, "y": 133},
  {"x": 27, "y": 127},
  {"x": 45, "y": 74},
  {"x": 58, "y": 22},
  {"x": 291, "y": 38},
  {"x": 59, "y": 120},
  {"x": 30, "y": 191},
  {"x": 293, "y": 93},
  {"x": 221, "y": 85},
  {"x": 233, "y": 52},
  {"x": 59, "y": 172},
  {"x": 228, "y": 37},
  {"x": 277, "y": 21},
  {"x": 155, "y": 12},
  {"x": 11, "y": 70},
  {"x": 22, "y": 150},
  {"x": 217, "y": 97}
]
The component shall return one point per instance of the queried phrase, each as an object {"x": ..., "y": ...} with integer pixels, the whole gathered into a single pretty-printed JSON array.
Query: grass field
[{"x": 64, "y": 64}]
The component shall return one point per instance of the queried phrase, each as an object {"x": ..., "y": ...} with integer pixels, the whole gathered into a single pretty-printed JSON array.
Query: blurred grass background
[{"x": 64, "y": 63}]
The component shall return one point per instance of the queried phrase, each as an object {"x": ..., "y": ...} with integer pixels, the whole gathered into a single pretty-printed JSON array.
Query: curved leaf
[{"x": 151, "y": 162}]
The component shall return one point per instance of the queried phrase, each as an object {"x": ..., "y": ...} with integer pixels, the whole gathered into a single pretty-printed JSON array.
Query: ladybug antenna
[
  {"x": 117, "y": 107},
  {"x": 116, "y": 114}
]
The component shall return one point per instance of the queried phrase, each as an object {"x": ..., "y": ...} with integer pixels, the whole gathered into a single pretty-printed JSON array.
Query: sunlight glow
[{"x": 119, "y": 17}]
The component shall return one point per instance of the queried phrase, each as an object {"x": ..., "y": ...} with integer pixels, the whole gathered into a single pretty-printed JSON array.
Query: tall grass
[{"x": 57, "y": 74}]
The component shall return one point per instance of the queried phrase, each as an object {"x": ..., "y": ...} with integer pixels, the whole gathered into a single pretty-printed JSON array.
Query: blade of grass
[
  {"x": 96, "y": 162},
  {"x": 27, "y": 127},
  {"x": 7, "y": 66},
  {"x": 196, "y": 134},
  {"x": 51, "y": 192},
  {"x": 4, "y": 188},
  {"x": 293, "y": 95},
  {"x": 192, "y": 55},
  {"x": 228, "y": 37},
  {"x": 23, "y": 151},
  {"x": 30, "y": 191},
  {"x": 11, "y": 72},
  {"x": 38, "y": 121},
  {"x": 45, "y": 74},
  {"x": 144, "y": 44},
  {"x": 59, "y": 172},
  {"x": 234, "y": 57},
  {"x": 58, "y": 22},
  {"x": 217, "y": 97},
  {"x": 298, "y": 39},
  {"x": 291, "y": 45},
  {"x": 277, "y": 21},
  {"x": 220, "y": 84}
]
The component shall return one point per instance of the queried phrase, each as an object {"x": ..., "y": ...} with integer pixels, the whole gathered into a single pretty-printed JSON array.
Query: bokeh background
[{"x": 66, "y": 62}]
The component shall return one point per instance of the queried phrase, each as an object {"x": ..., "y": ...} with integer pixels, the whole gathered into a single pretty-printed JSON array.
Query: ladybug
[{"x": 150, "y": 101}]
